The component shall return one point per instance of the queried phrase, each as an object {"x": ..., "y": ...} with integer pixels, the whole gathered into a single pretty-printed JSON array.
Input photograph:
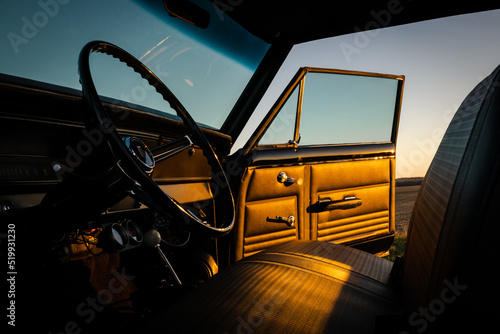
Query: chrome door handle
[{"x": 349, "y": 202}]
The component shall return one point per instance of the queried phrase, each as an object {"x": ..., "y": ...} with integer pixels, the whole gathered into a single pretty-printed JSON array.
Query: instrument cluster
[
  {"x": 122, "y": 235},
  {"x": 127, "y": 233}
]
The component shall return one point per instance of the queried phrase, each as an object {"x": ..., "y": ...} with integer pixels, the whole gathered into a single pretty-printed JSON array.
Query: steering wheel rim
[{"x": 145, "y": 189}]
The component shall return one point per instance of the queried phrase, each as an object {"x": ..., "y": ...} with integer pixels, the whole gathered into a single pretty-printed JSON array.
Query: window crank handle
[{"x": 289, "y": 221}]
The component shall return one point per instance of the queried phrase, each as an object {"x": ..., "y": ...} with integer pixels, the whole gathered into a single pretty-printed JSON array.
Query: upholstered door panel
[
  {"x": 371, "y": 218},
  {"x": 261, "y": 199},
  {"x": 348, "y": 202},
  {"x": 265, "y": 229},
  {"x": 264, "y": 184},
  {"x": 352, "y": 200}
]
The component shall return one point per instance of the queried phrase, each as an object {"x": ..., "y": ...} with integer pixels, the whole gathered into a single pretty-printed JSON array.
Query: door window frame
[{"x": 299, "y": 80}]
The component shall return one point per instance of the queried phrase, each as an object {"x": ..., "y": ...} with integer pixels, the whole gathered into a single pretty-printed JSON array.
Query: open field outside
[{"x": 405, "y": 201}]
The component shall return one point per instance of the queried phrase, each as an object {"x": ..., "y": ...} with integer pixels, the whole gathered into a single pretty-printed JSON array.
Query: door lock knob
[{"x": 283, "y": 178}]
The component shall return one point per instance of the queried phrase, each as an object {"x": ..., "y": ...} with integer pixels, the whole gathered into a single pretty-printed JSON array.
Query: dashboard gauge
[
  {"x": 134, "y": 232},
  {"x": 171, "y": 234},
  {"x": 117, "y": 236}
]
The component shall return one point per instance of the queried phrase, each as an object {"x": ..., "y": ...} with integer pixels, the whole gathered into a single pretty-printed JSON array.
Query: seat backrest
[{"x": 449, "y": 264}]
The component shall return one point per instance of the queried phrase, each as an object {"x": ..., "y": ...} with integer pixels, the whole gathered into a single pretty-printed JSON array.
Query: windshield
[{"x": 207, "y": 69}]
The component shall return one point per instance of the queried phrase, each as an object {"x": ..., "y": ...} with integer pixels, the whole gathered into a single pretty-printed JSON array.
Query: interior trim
[{"x": 322, "y": 154}]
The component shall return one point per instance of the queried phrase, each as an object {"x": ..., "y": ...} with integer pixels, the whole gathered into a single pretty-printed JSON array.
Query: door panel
[
  {"x": 334, "y": 134},
  {"x": 261, "y": 198},
  {"x": 266, "y": 230},
  {"x": 367, "y": 180}
]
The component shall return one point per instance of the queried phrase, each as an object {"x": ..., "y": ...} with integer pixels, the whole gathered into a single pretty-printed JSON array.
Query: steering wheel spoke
[
  {"x": 139, "y": 161},
  {"x": 170, "y": 149}
]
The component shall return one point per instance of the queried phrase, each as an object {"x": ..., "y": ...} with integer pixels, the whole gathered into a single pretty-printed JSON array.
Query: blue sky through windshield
[{"x": 42, "y": 40}]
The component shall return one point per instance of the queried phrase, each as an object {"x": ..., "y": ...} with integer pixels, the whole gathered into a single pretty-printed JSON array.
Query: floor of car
[{"x": 310, "y": 287}]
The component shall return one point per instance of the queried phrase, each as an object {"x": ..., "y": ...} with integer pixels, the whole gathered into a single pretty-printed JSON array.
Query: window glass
[
  {"x": 347, "y": 109},
  {"x": 282, "y": 128}
]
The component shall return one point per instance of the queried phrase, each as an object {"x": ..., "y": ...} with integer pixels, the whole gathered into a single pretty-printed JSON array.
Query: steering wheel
[{"x": 134, "y": 159}]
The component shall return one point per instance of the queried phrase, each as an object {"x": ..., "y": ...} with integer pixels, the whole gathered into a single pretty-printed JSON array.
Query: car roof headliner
[{"x": 298, "y": 21}]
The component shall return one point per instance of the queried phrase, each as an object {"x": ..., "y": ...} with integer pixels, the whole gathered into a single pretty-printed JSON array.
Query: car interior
[
  {"x": 441, "y": 285},
  {"x": 122, "y": 217}
]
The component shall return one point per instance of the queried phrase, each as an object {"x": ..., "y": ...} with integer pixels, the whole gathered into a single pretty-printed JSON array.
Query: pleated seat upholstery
[
  {"x": 448, "y": 280},
  {"x": 452, "y": 245},
  {"x": 297, "y": 287}
]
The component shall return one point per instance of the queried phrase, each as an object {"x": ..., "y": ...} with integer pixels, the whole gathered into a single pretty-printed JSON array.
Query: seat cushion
[
  {"x": 308, "y": 287},
  {"x": 326, "y": 256}
]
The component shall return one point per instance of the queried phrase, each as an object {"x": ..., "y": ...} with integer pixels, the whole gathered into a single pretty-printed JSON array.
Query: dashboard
[
  {"x": 120, "y": 228},
  {"x": 39, "y": 148}
]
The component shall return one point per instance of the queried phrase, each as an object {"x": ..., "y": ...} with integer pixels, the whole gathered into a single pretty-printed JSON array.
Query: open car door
[{"x": 321, "y": 165}]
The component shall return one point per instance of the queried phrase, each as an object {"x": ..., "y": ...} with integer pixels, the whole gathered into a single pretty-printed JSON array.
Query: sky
[
  {"x": 442, "y": 61},
  {"x": 41, "y": 40}
]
